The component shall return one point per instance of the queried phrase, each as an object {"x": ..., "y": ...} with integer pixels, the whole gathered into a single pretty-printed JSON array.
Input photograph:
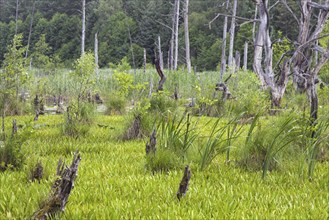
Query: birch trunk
[
  {"x": 30, "y": 31},
  {"x": 96, "y": 56},
  {"x": 83, "y": 29},
  {"x": 187, "y": 38},
  {"x": 223, "y": 58},
  {"x": 232, "y": 32},
  {"x": 144, "y": 61},
  {"x": 176, "y": 34},
  {"x": 245, "y": 56},
  {"x": 160, "y": 52}
]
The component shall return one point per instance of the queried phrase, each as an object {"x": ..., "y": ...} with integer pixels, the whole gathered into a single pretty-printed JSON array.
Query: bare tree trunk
[
  {"x": 264, "y": 70},
  {"x": 232, "y": 31},
  {"x": 223, "y": 59},
  {"x": 254, "y": 25},
  {"x": 161, "y": 75},
  {"x": 96, "y": 56},
  {"x": 237, "y": 61},
  {"x": 245, "y": 56},
  {"x": 187, "y": 38},
  {"x": 144, "y": 61},
  {"x": 176, "y": 34},
  {"x": 16, "y": 18},
  {"x": 160, "y": 52},
  {"x": 30, "y": 32},
  {"x": 83, "y": 29}
]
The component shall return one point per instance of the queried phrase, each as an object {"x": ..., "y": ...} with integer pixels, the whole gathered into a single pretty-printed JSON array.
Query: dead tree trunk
[
  {"x": 305, "y": 71},
  {"x": 161, "y": 75},
  {"x": 30, "y": 32},
  {"x": 144, "y": 61},
  {"x": 96, "y": 56},
  {"x": 263, "y": 58},
  {"x": 245, "y": 56},
  {"x": 160, "y": 52},
  {"x": 83, "y": 29},
  {"x": 176, "y": 33},
  {"x": 183, "y": 186},
  {"x": 187, "y": 38},
  {"x": 237, "y": 61},
  {"x": 232, "y": 32},
  {"x": 16, "y": 18},
  {"x": 150, "y": 146},
  {"x": 223, "y": 58},
  {"x": 61, "y": 190}
]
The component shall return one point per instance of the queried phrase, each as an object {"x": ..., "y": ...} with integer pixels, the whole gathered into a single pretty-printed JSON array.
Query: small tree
[{"x": 13, "y": 75}]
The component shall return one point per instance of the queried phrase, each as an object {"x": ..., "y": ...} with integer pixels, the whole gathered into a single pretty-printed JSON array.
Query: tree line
[{"x": 52, "y": 29}]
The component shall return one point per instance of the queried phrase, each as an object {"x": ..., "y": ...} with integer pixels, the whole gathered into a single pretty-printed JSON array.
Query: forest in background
[{"x": 126, "y": 27}]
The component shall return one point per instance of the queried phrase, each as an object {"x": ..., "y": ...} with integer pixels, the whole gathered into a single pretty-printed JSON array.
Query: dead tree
[
  {"x": 223, "y": 57},
  {"x": 161, "y": 75},
  {"x": 187, "y": 38},
  {"x": 14, "y": 128},
  {"x": 183, "y": 186},
  {"x": 232, "y": 34},
  {"x": 151, "y": 146},
  {"x": 135, "y": 130},
  {"x": 263, "y": 54},
  {"x": 305, "y": 72},
  {"x": 61, "y": 190},
  {"x": 83, "y": 28}
]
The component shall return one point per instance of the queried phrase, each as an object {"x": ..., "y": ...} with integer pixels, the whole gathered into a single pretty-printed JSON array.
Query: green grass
[{"x": 113, "y": 182}]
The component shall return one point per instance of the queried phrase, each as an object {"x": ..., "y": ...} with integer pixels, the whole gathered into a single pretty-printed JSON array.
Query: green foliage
[
  {"x": 11, "y": 154},
  {"x": 14, "y": 73},
  {"x": 280, "y": 48},
  {"x": 161, "y": 102},
  {"x": 40, "y": 58}
]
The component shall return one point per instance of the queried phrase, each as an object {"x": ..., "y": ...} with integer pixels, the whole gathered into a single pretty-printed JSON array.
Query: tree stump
[
  {"x": 150, "y": 146},
  {"x": 37, "y": 172},
  {"x": 183, "y": 186},
  {"x": 61, "y": 190}
]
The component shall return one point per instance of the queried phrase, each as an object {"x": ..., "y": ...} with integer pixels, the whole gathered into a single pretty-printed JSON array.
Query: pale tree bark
[
  {"x": 176, "y": 33},
  {"x": 160, "y": 52},
  {"x": 263, "y": 58},
  {"x": 83, "y": 29},
  {"x": 223, "y": 57},
  {"x": 96, "y": 56},
  {"x": 245, "y": 56},
  {"x": 305, "y": 72},
  {"x": 30, "y": 31},
  {"x": 187, "y": 38},
  {"x": 16, "y": 18},
  {"x": 144, "y": 61},
  {"x": 232, "y": 32}
]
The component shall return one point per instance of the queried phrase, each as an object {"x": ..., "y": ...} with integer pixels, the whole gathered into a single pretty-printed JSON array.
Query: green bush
[{"x": 116, "y": 104}]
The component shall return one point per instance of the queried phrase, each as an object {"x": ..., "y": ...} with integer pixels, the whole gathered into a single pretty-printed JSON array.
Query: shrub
[
  {"x": 163, "y": 161},
  {"x": 11, "y": 155}
]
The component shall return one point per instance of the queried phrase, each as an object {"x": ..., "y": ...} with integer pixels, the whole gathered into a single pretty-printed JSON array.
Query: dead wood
[
  {"x": 150, "y": 146},
  {"x": 135, "y": 130},
  {"x": 61, "y": 190},
  {"x": 37, "y": 172},
  {"x": 161, "y": 75},
  {"x": 183, "y": 186}
]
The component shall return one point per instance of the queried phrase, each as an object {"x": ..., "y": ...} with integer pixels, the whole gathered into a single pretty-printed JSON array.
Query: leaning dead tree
[
  {"x": 61, "y": 190},
  {"x": 161, "y": 75}
]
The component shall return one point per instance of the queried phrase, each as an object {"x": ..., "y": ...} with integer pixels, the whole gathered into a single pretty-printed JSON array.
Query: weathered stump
[
  {"x": 150, "y": 146},
  {"x": 61, "y": 190},
  {"x": 37, "y": 172},
  {"x": 183, "y": 186},
  {"x": 135, "y": 130}
]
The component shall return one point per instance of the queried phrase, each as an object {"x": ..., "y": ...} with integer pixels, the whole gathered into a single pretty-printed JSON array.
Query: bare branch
[
  {"x": 159, "y": 22},
  {"x": 231, "y": 16},
  {"x": 275, "y": 4},
  {"x": 284, "y": 2},
  {"x": 214, "y": 19},
  {"x": 318, "y": 6}
]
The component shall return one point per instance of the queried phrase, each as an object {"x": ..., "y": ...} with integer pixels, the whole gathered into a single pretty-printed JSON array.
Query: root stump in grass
[
  {"x": 61, "y": 190},
  {"x": 183, "y": 186},
  {"x": 37, "y": 172},
  {"x": 150, "y": 146},
  {"x": 134, "y": 131}
]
